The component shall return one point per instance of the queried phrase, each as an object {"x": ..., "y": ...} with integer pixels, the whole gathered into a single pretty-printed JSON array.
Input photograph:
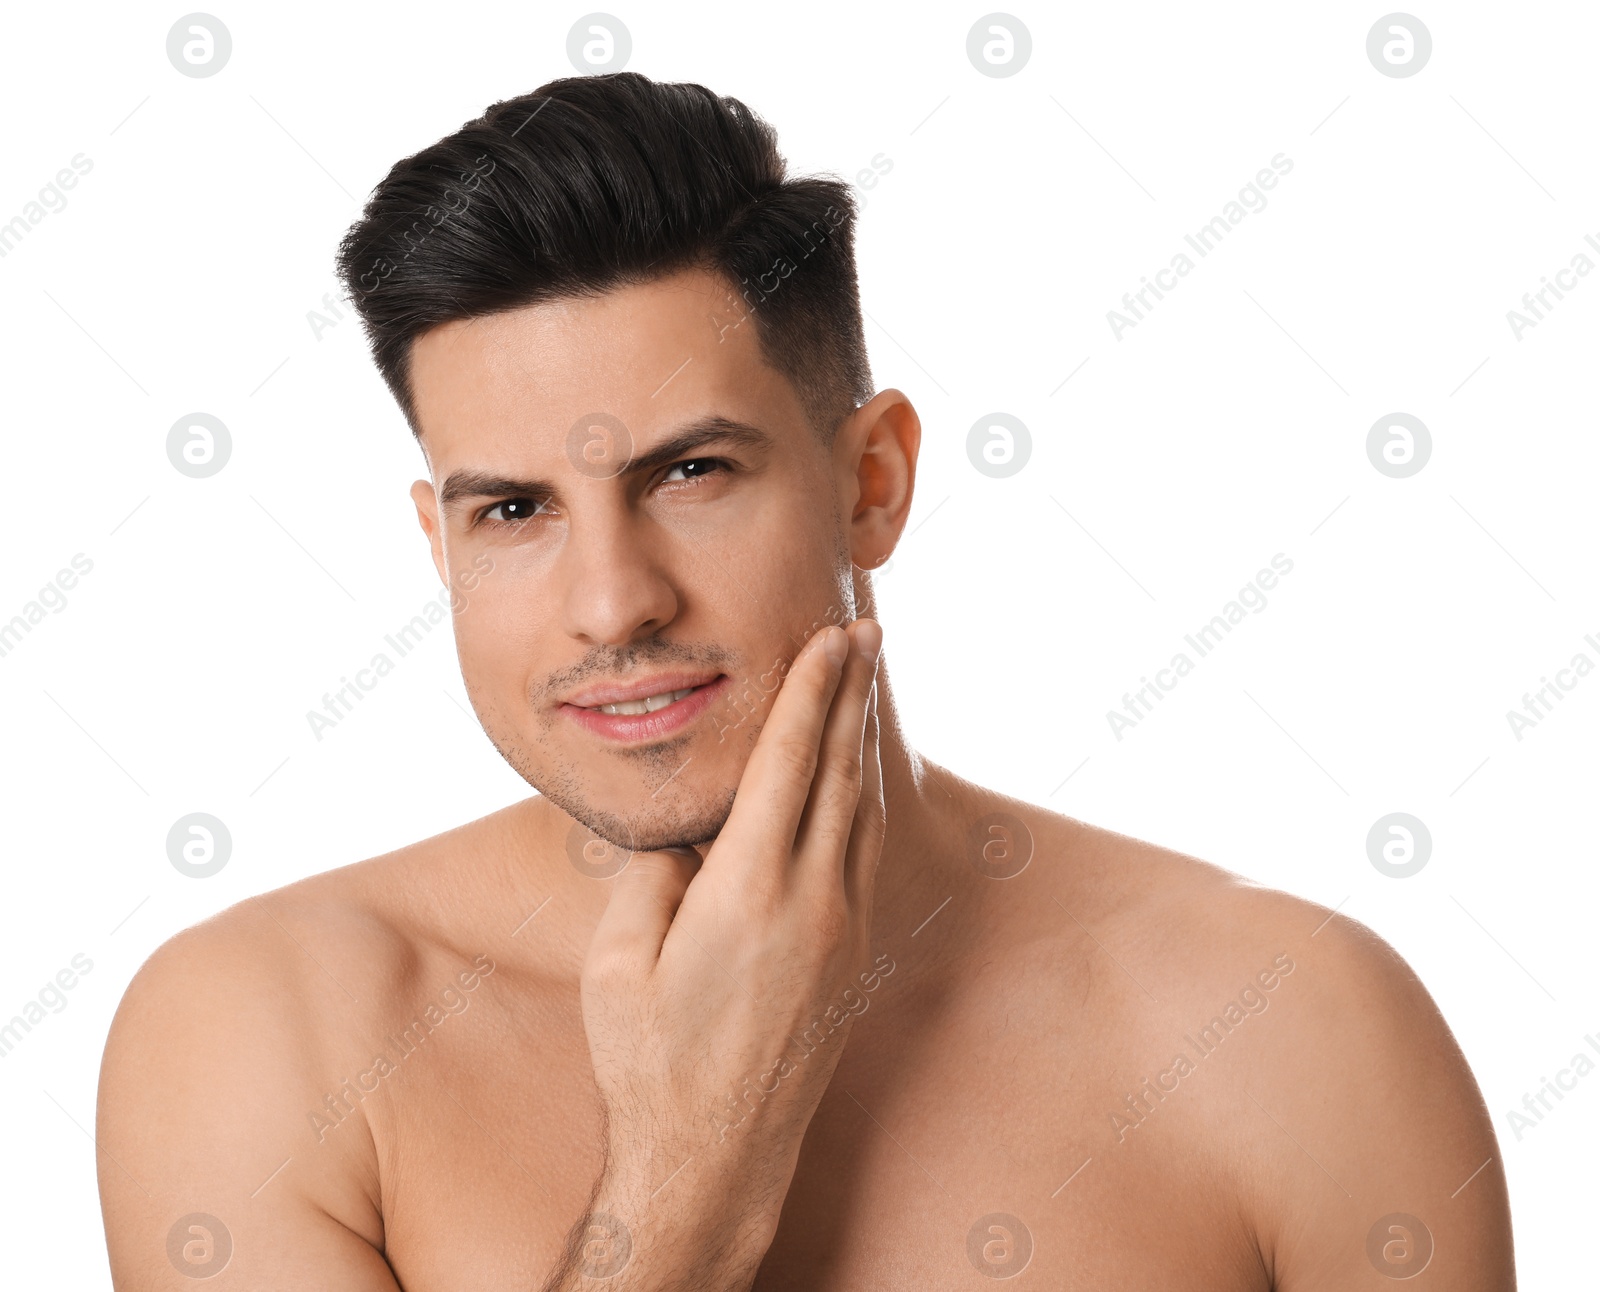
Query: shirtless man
[{"x": 878, "y": 1027}]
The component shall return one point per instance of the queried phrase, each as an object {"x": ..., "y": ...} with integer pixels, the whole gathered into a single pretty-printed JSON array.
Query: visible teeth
[{"x": 647, "y": 705}]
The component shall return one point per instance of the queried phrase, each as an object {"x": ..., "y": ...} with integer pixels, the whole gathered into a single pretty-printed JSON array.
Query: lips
[
  {"x": 672, "y": 713},
  {"x": 643, "y": 688}
]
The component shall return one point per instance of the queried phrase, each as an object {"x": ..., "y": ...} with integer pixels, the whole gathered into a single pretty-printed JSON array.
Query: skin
[{"x": 1007, "y": 1061}]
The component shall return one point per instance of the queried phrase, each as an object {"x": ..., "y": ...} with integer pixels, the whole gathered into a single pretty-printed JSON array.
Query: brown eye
[
  {"x": 512, "y": 510},
  {"x": 695, "y": 469}
]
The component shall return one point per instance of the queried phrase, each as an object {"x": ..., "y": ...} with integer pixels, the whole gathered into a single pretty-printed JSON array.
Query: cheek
[
  {"x": 793, "y": 594},
  {"x": 496, "y": 631},
  {"x": 798, "y": 556}
]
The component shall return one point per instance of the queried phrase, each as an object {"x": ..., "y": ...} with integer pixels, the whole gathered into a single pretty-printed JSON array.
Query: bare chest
[{"x": 972, "y": 1140}]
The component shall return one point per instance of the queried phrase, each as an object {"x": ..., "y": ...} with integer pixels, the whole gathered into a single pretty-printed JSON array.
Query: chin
[{"x": 648, "y": 826}]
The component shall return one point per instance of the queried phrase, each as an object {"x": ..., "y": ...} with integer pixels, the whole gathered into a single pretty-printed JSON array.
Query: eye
[
  {"x": 512, "y": 511},
  {"x": 695, "y": 469}
]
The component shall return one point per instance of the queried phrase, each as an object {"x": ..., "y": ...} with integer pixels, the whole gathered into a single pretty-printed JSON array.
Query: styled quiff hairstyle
[{"x": 592, "y": 183}]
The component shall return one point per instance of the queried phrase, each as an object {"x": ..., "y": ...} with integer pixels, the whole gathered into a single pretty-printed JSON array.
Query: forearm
[{"x": 691, "y": 1233}]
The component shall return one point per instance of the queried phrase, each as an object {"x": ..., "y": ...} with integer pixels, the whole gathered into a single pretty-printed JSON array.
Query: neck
[{"x": 927, "y": 816}]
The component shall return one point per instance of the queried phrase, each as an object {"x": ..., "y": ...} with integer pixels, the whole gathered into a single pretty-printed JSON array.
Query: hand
[{"x": 702, "y": 975}]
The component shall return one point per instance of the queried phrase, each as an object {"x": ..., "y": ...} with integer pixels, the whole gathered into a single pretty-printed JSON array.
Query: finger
[
  {"x": 836, "y": 789},
  {"x": 644, "y": 898},
  {"x": 777, "y": 778},
  {"x": 866, "y": 836}
]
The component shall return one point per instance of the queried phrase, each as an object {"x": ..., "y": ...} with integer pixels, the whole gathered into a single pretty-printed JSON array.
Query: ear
[
  {"x": 428, "y": 517},
  {"x": 875, "y": 455}
]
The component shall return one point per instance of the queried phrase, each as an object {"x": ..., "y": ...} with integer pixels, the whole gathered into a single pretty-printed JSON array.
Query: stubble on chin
[{"x": 670, "y": 815}]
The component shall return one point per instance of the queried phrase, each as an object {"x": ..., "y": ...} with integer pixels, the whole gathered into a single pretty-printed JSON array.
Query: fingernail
[
  {"x": 837, "y": 644},
  {"x": 869, "y": 639}
]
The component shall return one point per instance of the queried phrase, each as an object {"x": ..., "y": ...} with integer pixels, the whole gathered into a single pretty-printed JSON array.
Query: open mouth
[
  {"x": 650, "y": 717},
  {"x": 648, "y": 705}
]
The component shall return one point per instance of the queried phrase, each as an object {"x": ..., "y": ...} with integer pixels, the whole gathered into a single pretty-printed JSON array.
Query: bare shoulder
[
  {"x": 319, "y": 950},
  {"x": 295, "y": 963},
  {"x": 1306, "y": 1054},
  {"x": 230, "y": 1026},
  {"x": 233, "y": 1047},
  {"x": 1200, "y": 928}
]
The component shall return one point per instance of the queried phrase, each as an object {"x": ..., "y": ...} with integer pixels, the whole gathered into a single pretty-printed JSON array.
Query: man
[{"x": 751, "y": 995}]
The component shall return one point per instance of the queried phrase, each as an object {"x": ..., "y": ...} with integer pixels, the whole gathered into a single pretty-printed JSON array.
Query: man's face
[{"x": 587, "y": 555}]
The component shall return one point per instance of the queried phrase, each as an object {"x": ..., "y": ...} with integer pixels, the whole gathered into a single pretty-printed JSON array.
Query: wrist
[{"x": 694, "y": 1213}]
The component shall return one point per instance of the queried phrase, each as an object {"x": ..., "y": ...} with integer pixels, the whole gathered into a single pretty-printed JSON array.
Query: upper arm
[
  {"x": 207, "y": 1155},
  {"x": 1383, "y": 1163}
]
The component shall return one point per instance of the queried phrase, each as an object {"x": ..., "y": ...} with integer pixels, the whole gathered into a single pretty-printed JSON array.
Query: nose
[{"x": 613, "y": 578}]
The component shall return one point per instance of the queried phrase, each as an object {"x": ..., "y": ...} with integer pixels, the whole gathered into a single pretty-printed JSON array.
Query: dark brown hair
[{"x": 596, "y": 182}]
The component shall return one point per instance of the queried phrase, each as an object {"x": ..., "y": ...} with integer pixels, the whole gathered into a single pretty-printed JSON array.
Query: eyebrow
[{"x": 471, "y": 483}]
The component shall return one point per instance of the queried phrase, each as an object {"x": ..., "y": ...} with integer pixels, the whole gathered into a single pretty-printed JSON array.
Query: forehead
[{"x": 649, "y": 354}]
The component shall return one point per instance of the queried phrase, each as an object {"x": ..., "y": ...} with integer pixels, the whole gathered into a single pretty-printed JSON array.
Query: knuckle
[
  {"x": 838, "y": 787},
  {"x": 794, "y": 757},
  {"x": 847, "y": 767}
]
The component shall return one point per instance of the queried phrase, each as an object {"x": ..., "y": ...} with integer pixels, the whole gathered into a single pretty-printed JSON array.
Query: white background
[{"x": 1229, "y": 425}]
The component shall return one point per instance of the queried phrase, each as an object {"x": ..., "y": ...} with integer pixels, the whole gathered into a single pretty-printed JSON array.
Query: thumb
[{"x": 645, "y": 897}]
